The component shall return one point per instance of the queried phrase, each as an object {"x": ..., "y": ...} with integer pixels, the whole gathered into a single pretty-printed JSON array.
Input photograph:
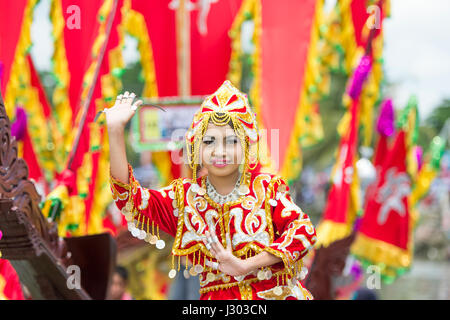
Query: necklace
[{"x": 220, "y": 199}]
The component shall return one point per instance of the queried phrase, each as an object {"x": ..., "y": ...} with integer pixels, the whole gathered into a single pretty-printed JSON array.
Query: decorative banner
[
  {"x": 92, "y": 153},
  {"x": 15, "y": 41},
  {"x": 384, "y": 236},
  {"x": 364, "y": 20},
  {"x": 353, "y": 21},
  {"x": 154, "y": 25},
  {"x": 428, "y": 171},
  {"x": 25, "y": 147},
  {"x": 343, "y": 202},
  {"x": 352, "y": 29},
  {"x": 42, "y": 127},
  {"x": 280, "y": 92},
  {"x": 156, "y": 130},
  {"x": 33, "y": 127},
  {"x": 385, "y": 129},
  {"x": 78, "y": 50},
  {"x": 343, "y": 199},
  {"x": 211, "y": 21},
  {"x": 10, "y": 287},
  {"x": 75, "y": 29}
]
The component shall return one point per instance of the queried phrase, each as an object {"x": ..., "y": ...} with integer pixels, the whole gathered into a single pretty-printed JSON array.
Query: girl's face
[{"x": 221, "y": 150}]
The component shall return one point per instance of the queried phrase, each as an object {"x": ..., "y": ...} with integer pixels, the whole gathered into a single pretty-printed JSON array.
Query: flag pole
[{"x": 183, "y": 34}]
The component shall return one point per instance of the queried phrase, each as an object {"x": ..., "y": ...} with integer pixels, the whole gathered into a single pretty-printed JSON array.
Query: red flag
[
  {"x": 211, "y": 22},
  {"x": 385, "y": 129},
  {"x": 341, "y": 207},
  {"x": 75, "y": 30},
  {"x": 15, "y": 41},
  {"x": 285, "y": 34},
  {"x": 90, "y": 159},
  {"x": 384, "y": 234},
  {"x": 154, "y": 23},
  {"x": 78, "y": 41},
  {"x": 10, "y": 287},
  {"x": 42, "y": 126},
  {"x": 11, "y": 19},
  {"x": 366, "y": 27},
  {"x": 32, "y": 128},
  {"x": 364, "y": 18},
  {"x": 78, "y": 53}
]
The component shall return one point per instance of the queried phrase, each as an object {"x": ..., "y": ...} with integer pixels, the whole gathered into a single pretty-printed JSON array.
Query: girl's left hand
[{"x": 228, "y": 263}]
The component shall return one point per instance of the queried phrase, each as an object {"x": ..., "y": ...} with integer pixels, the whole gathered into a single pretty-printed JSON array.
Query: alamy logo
[
  {"x": 74, "y": 20},
  {"x": 74, "y": 279},
  {"x": 373, "y": 21},
  {"x": 374, "y": 279}
]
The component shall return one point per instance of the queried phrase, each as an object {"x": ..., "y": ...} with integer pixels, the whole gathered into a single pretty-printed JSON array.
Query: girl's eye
[
  {"x": 232, "y": 141},
  {"x": 207, "y": 142}
]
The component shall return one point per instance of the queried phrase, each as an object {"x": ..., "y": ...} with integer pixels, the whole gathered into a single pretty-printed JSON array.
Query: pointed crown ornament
[{"x": 225, "y": 106}]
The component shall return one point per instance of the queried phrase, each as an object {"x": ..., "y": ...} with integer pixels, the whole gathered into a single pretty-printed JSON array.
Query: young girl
[{"x": 240, "y": 229}]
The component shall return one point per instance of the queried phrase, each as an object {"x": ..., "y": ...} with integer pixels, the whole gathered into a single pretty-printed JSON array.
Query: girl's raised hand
[{"x": 122, "y": 111}]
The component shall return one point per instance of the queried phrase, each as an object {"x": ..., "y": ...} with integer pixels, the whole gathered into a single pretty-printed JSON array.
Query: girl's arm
[
  {"x": 116, "y": 119},
  {"x": 296, "y": 233},
  {"x": 262, "y": 259},
  {"x": 117, "y": 154},
  {"x": 147, "y": 210}
]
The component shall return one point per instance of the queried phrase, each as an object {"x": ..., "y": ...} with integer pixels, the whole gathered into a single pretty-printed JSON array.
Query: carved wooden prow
[
  {"x": 329, "y": 262},
  {"x": 31, "y": 243}
]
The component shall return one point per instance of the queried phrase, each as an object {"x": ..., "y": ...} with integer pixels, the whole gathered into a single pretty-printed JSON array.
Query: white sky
[{"x": 416, "y": 52}]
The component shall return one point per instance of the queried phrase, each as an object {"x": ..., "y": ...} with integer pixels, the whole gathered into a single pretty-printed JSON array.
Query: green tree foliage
[
  {"x": 438, "y": 116},
  {"x": 433, "y": 124}
]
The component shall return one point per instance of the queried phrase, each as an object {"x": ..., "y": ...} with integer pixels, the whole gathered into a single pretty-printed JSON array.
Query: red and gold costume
[{"x": 262, "y": 218}]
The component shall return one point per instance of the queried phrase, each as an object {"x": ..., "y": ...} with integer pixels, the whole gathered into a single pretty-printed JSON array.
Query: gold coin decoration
[
  {"x": 198, "y": 268},
  {"x": 142, "y": 234},
  {"x": 172, "y": 273},
  {"x": 135, "y": 232},
  {"x": 153, "y": 239},
  {"x": 243, "y": 189},
  {"x": 160, "y": 244},
  {"x": 192, "y": 272},
  {"x": 261, "y": 275},
  {"x": 278, "y": 291},
  {"x": 195, "y": 187},
  {"x": 210, "y": 277}
]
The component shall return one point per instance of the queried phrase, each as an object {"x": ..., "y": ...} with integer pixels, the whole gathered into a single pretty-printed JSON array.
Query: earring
[{"x": 243, "y": 188}]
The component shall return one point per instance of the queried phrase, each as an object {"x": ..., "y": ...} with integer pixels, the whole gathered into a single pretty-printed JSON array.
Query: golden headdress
[{"x": 225, "y": 105}]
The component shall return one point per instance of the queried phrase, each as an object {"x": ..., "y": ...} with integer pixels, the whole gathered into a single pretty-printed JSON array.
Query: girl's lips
[{"x": 219, "y": 164}]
